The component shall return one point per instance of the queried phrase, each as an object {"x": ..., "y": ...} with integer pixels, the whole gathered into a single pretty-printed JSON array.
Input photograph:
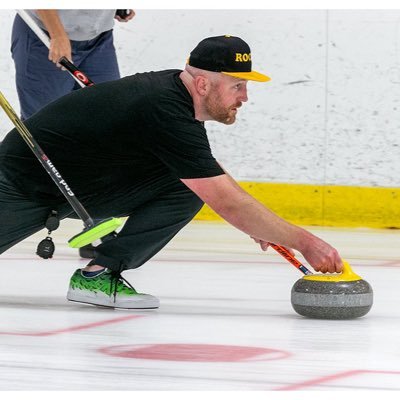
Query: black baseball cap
[{"x": 227, "y": 54}]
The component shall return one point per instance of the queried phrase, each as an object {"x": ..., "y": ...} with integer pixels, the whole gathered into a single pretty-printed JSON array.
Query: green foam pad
[{"x": 90, "y": 235}]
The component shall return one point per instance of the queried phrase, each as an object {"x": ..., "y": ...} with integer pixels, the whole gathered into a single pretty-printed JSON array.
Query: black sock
[{"x": 92, "y": 274}]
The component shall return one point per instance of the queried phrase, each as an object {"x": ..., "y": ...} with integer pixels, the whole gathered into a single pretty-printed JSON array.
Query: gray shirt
[{"x": 82, "y": 24}]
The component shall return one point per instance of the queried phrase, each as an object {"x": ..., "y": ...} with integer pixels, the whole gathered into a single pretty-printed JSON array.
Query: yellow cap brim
[{"x": 249, "y": 76}]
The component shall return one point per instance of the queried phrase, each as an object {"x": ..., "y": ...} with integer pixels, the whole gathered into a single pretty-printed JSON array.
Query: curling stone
[{"x": 336, "y": 296}]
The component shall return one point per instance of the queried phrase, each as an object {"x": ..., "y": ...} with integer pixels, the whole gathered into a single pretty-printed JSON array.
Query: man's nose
[{"x": 243, "y": 95}]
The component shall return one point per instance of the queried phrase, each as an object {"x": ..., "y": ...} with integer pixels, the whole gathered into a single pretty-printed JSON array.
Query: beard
[{"x": 215, "y": 109}]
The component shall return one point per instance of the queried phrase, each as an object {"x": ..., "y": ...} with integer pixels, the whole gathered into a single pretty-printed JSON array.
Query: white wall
[{"x": 330, "y": 115}]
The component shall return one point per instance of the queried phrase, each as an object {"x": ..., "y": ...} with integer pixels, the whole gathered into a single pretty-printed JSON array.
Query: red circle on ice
[{"x": 195, "y": 352}]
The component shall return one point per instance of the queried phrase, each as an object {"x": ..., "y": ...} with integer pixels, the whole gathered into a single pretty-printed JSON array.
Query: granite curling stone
[{"x": 336, "y": 296}]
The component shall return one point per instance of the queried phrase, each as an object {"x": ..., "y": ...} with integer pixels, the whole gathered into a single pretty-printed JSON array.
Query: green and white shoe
[{"x": 108, "y": 289}]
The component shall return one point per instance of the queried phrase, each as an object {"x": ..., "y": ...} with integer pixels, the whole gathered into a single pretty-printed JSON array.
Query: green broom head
[{"x": 90, "y": 235}]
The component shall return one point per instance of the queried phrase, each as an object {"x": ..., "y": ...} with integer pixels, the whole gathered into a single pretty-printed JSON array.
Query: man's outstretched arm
[{"x": 236, "y": 206}]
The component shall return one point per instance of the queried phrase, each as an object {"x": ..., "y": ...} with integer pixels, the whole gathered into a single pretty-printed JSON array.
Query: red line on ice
[{"x": 75, "y": 328}]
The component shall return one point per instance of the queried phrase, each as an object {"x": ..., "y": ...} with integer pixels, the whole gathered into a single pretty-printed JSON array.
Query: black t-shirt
[{"x": 113, "y": 134}]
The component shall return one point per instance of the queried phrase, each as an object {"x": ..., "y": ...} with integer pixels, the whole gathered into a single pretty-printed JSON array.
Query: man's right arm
[
  {"x": 60, "y": 45},
  {"x": 247, "y": 214}
]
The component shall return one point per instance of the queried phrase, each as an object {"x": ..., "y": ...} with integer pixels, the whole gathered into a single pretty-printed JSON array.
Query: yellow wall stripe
[{"x": 341, "y": 206}]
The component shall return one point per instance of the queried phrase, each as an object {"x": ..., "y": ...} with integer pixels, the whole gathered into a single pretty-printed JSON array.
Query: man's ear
[{"x": 202, "y": 85}]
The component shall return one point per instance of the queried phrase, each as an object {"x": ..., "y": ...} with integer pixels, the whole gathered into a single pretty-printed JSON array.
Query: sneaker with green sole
[{"x": 108, "y": 289}]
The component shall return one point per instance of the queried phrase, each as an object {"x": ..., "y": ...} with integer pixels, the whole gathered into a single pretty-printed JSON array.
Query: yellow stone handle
[{"x": 347, "y": 275}]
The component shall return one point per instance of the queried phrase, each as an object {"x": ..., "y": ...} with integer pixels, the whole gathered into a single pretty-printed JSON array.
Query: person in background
[{"x": 85, "y": 37}]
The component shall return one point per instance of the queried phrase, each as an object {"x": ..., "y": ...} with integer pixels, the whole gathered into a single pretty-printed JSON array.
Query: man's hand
[
  {"x": 126, "y": 17},
  {"x": 60, "y": 46},
  {"x": 322, "y": 256}
]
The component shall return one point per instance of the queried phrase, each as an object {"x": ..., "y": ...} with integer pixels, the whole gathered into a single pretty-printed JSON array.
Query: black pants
[{"x": 157, "y": 211}]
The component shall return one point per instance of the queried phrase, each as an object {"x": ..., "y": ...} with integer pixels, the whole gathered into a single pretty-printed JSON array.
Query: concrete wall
[{"x": 330, "y": 115}]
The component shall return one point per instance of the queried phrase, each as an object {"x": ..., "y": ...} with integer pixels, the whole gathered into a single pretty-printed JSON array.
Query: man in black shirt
[{"x": 151, "y": 161}]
